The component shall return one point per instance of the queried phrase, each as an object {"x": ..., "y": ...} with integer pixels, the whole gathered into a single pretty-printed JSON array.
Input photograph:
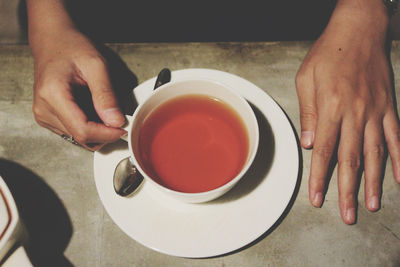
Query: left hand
[{"x": 345, "y": 93}]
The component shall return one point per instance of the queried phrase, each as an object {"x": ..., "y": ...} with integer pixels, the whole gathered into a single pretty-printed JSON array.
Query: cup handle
[
  {"x": 18, "y": 258},
  {"x": 127, "y": 126}
]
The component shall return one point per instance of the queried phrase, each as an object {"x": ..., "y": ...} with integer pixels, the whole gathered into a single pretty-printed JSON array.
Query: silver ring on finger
[{"x": 69, "y": 139}]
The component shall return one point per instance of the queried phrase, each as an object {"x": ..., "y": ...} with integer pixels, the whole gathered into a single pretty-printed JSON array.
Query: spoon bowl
[{"x": 127, "y": 179}]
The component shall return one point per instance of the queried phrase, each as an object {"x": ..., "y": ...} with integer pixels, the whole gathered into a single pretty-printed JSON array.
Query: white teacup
[{"x": 212, "y": 90}]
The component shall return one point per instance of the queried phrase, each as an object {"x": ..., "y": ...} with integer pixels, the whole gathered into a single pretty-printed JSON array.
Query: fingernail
[
  {"x": 112, "y": 117},
  {"x": 397, "y": 175},
  {"x": 350, "y": 215},
  {"x": 307, "y": 138},
  {"x": 373, "y": 203},
  {"x": 317, "y": 200}
]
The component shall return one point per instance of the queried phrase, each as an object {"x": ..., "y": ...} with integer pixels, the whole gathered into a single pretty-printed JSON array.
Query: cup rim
[{"x": 223, "y": 187}]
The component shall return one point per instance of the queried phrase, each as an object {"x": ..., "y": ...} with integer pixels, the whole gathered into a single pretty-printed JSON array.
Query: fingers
[
  {"x": 82, "y": 130},
  {"x": 96, "y": 75},
  {"x": 392, "y": 135},
  {"x": 374, "y": 154},
  {"x": 324, "y": 148},
  {"x": 352, "y": 141},
  {"x": 349, "y": 162},
  {"x": 308, "y": 112},
  {"x": 64, "y": 116},
  {"x": 353, "y": 145}
]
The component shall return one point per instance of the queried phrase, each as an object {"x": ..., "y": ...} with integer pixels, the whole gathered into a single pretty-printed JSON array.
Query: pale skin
[
  {"x": 345, "y": 93},
  {"x": 64, "y": 57},
  {"x": 344, "y": 89}
]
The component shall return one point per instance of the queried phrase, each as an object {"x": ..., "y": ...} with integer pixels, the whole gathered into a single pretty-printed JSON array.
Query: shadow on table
[
  {"x": 260, "y": 169},
  {"x": 261, "y": 164},
  {"x": 123, "y": 81},
  {"x": 199, "y": 21},
  {"x": 43, "y": 214}
]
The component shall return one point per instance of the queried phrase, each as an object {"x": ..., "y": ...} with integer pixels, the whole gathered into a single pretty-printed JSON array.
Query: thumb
[
  {"x": 104, "y": 100},
  {"x": 308, "y": 112}
]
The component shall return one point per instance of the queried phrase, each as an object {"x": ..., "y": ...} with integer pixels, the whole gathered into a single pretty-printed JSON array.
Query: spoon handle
[{"x": 163, "y": 77}]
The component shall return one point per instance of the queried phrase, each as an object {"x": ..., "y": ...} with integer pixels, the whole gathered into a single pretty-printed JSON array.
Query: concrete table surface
[{"x": 53, "y": 182}]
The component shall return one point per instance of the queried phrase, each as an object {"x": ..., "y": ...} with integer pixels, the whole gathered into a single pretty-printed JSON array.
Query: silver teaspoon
[{"x": 127, "y": 179}]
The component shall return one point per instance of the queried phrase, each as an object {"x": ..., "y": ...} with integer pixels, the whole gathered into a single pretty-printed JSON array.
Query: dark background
[{"x": 198, "y": 21}]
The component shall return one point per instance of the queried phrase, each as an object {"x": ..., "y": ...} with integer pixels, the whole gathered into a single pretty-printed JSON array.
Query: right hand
[
  {"x": 347, "y": 107},
  {"x": 66, "y": 61}
]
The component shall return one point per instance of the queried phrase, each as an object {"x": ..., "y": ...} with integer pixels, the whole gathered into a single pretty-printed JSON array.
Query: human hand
[
  {"x": 345, "y": 94},
  {"x": 65, "y": 62}
]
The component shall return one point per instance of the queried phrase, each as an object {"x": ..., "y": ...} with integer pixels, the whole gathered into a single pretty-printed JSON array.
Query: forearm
[
  {"x": 373, "y": 8},
  {"x": 47, "y": 20}
]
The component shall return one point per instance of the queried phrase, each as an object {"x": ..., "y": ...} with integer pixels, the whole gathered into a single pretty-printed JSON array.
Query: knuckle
[
  {"x": 301, "y": 79},
  {"x": 43, "y": 91},
  {"x": 376, "y": 151},
  {"x": 102, "y": 96},
  {"x": 308, "y": 114},
  {"x": 333, "y": 100},
  {"x": 360, "y": 103},
  {"x": 386, "y": 102},
  {"x": 39, "y": 114},
  {"x": 351, "y": 161},
  {"x": 80, "y": 136},
  {"x": 324, "y": 152},
  {"x": 384, "y": 98},
  {"x": 37, "y": 111},
  {"x": 345, "y": 82},
  {"x": 94, "y": 60},
  {"x": 330, "y": 106},
  {"x": 387, "y": 96},
  {"x": 48, "y": 88},
  {"x": 335, "y": 108}
]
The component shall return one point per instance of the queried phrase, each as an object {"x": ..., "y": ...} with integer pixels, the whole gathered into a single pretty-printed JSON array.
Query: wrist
[
  {"x": 365, "y": 20},
  {"x": 365, "y": 11},
  {"x": 48, "y": 39},
  {"x": 48, "y": 21}
]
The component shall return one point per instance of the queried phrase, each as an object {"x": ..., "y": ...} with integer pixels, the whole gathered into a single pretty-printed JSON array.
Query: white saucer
[{"x": 223, "y": 225}]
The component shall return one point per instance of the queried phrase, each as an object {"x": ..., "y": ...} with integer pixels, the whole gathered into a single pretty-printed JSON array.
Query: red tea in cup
[{"x": 193, "y": 143}]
